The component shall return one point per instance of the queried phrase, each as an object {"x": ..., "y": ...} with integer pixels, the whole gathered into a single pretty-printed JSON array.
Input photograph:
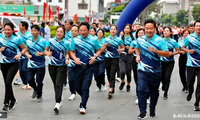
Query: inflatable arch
[{"x": 130, "y": 13}]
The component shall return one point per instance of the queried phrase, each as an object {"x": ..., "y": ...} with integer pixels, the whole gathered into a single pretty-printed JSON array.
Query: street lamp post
[
  {"x": 47, "y": 1},
  {"x": 90, "y": 12}
]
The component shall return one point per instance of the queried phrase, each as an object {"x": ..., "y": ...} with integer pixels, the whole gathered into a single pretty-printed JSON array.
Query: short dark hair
[
  {"x": 101, "y": 30},
  {"x": 43, "y": 24},
  {"x": 24, "y": 24},
  {"x": 47, "y": 23},
  {"x": 93, "y": 29},
  {"x": 150, "y": 21},
  {"x": 86, "y": 24},
  {"x": 69, "y": 21},
  {"x": 196, "y": 22},
  {"x": 75, "y": 26},
  {"x": 136, "y": 35},
  {"x": 95, "y": 24},
  {"x": 36, "y": 27},
  {"x": 114, "y": 26}
]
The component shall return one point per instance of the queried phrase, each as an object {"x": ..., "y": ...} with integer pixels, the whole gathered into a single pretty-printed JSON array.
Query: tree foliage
[
  {"x": 10, "y": 2},
  {"x": 196, "y": 12},
  {"x": 117, "y": 9}
]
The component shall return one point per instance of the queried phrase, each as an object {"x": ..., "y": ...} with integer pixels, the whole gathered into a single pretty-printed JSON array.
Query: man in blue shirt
[
  {"x": 25, "y": 35},
  {"x": 82, "y": 52},
  {"x": 149, "y": 48},
  {"x": 191, "y": 46},
  {"x": 36, "y": 61}
]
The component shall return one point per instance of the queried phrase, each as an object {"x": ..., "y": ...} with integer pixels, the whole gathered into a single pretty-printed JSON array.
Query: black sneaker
[
  {"x": 6, "y": 107},
  {"x": 121, "y": 86},
  {"x": 152, "y": 113},
  {"x": 110, "y": 95},
  {"x": 196, "y": 108},
  {"x": 128, "y": 88},
  {"x": 165, "y": 97},
  {"x": 34, "y": 94},
  {"x": 189, "y": 97},
  {"x": 142, "y": 116},
  {"x": 12, "y": 104}
]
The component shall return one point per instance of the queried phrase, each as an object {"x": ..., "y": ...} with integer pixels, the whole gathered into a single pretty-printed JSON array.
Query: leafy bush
[
  {"x": 106, "y": 34},
  {"x": 53, "y": 31}
]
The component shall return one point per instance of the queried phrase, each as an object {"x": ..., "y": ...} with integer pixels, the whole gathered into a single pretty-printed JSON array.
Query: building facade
[{"x": 170, "y": 7}]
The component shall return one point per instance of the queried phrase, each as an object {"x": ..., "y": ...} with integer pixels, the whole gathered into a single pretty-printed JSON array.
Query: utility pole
[
  {"x": 90, "y": 18},
  {"x": 47, "y": 1}
]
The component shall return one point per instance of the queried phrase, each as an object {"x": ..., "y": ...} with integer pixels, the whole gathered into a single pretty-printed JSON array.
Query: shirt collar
[
  {"x": 68, "y": 32},
  {"x": 88, "y": 37},
  {"x": 37, "y": 39},
  {"x": 195, "y": 34},
  {"x": 57, "y": 39},
  {"x": 154, "y": 36},
  {"x": 9, "y": 38},
  {"x": 111, "y": 37},
  {"x": 127, "y": 37},
  {"x": 168, "y": 39}
]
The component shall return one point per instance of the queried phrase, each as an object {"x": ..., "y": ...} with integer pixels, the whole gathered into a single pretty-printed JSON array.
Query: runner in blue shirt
[
  {"x": 36, "y": 61},
  {"x": 182, "y": 62},
  {"x": 167, "y": 63},
  {"x": 68, "y": 35},
  {"x": 9, "y": 62},
  {"x": 149, "y": 48},
  {"x": 191, "y": 46},
  {"x": 82, "y": 52},
  {"x": 57, "y": 49},
  {"x": 25, "y": 35},
  {"x": 99, "y": 66},
  {"x": 114, "y": 47},
  {"x": 140, "y": 32},
  {"x": 70, "y": 66},
  {"x": 125, "y": 59}
]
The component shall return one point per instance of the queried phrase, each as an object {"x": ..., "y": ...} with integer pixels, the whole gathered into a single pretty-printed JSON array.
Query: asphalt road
[{"x": 120, "y": 107}]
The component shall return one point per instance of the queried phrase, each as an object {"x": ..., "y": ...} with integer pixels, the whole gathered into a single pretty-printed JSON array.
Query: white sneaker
[
  {"x": 57, "y": 108},
  {"x": 72, "y": 97},
  {"x": 103, "y": 88},
  {"x": 82, "y": 110},
  {"x": 97, "y": 90},
  {"x": 118, "y": 79},
  {"x": 148, "y": 102},
  {"x": 61, "y": 102},
  {"x": 136, "y": 102}
]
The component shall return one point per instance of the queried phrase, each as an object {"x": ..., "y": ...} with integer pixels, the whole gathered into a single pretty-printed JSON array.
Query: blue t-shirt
[
  {"x": 102, "y": 56},
  {"x": 171, "y": 45},
  {"x": 11, "y": 49},
  {"x": 134, "y": 34},
  {"x": 192, "y": 41},
  {"x": 58, "y": 50},
  {"x": 68, "y": 35},
  {"x": 127, "y": 42},
  {"x": 133, "y": 45},
  {"x": 27, "y": 35},
  {"x": 71, "y": 61},
  {"x": 180, "y": 43},
  {"x": 85, "y": 48},
  {"x": 33, "y": 47},
  {"x": 42, "y": 30},
  {"x": 112, "y": 48},
  {"x": 149, "y": 61}
]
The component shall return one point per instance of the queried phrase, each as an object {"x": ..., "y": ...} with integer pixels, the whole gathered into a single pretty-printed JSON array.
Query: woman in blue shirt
[
  {"x": 99, "y": 66},
  {"x": 182, "y": 62},
  {"x": 125, "y": 59},
  {"x": 167, "y": 63},
  {"x": 9, "y": 62},
  {"x": 114, "y": 47},
  {"x": 42, "y": 32},
  {"x": 93, "y": 33},
  {"x": 57, "y": 49}
]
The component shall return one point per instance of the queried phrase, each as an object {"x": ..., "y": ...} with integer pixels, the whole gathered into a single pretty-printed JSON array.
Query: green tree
[
  {"x": 196, "y": 12},
  {"x": 10, "y": 2},
  {"x": 182, "y": 17},
  {"x": 117, "y": 9}
]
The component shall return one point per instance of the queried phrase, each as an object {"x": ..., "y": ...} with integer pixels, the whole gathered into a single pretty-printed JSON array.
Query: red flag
[
  {"x": 24, "y": 11},
  {"x": 75, "y": 18},
  {"x": 58, "y": 9},
  {"x": 50, "y": 13},
  {"x": 44, "y": 10},
  {"x": 86, "y": 18}
]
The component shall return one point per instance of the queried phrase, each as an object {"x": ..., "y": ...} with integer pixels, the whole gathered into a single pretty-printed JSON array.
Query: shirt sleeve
[
  {"x": 97, "y": 45},
  {"x": 20, "y": 42},
  {"x": 163, "y": 45},
  {"x": 104, "y": 41},
  {"x": 72, "y": 47},
  {"x": 48, "y": 43},
  {"x": 137, "y": 44},
  {"x": 132, "y": 44},
  {"x": 186, "y": 42},
  {"x": 120, "y": 42},
  {"x": 67, "y": 47},
  {"x": 176, "y": 44}
]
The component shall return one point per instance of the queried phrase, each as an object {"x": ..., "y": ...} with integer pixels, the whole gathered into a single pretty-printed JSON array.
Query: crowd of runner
[{"x": 79, "y": 51}]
